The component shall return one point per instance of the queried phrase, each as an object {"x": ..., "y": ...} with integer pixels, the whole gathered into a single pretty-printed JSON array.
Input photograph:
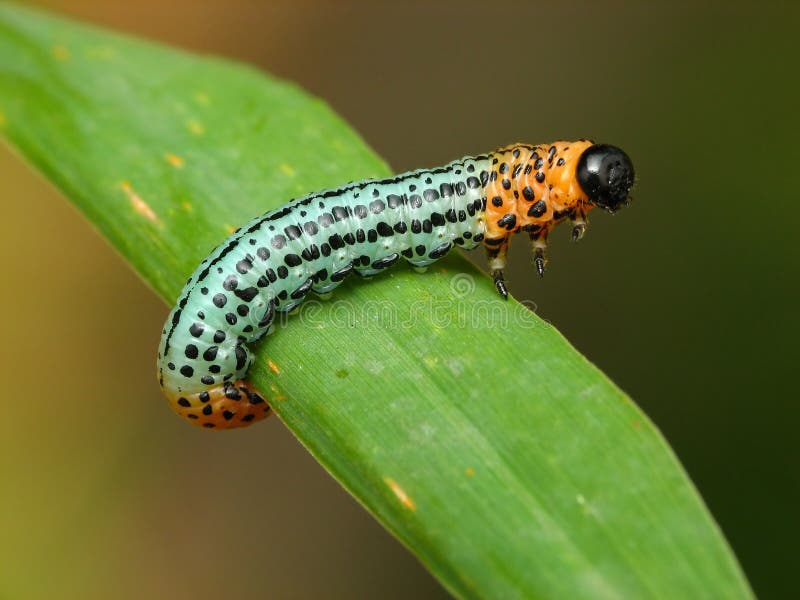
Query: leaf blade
[{"x": 472, "y": 430}]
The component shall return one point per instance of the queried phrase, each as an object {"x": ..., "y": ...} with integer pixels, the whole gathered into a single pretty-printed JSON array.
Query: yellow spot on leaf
[
  {"x": 139, "y": 205},
  {"x": 101, "y": 52},
  {"x": 60, "y": 52},
  {"x": 229, "y": 228},
  {"x": 273, "y": 367},
  {"x": 274, "y": 389},
  {"x": 280, "y": 398},
  {"x": 195, "y": 127},
  {"x": 187, "y": 206},
  {"x": 404, "y": 498},
  {"x": 287, "y": 170},
  {"x": 470, "y": 472},
  {"x": 175, "y": 160},
  {"x": 202, "y": 98}
]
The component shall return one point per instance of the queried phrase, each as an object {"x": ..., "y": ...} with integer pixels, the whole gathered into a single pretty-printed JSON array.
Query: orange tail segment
[{"x": 234, "y": 404}]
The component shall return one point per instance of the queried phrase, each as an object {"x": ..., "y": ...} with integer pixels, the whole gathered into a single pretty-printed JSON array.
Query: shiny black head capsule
[{"x": 606, "y": 175}]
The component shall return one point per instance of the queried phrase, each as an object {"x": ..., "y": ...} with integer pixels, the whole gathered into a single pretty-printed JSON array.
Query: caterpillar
[{"x": 312, "y": 243}]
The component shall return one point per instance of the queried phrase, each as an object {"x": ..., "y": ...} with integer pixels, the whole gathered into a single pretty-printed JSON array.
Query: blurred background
[{"x": 688, "y": 299}]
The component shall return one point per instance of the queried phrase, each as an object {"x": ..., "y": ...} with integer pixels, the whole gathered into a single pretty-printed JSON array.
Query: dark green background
[{"x": 687, "y": 299}]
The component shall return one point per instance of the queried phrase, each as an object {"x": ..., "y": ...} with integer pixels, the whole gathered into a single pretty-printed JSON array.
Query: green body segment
[{"x": 311, "y": 243}]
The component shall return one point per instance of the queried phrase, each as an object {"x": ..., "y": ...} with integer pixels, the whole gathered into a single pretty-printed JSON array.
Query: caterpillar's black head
[{"x": 606, "y": 175}]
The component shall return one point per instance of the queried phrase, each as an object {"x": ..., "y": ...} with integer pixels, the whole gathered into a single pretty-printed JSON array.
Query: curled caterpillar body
[{"x": 314, "y": 242}]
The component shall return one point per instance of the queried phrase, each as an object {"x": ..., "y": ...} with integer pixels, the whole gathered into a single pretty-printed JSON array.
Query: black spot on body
[
  {"x": 342, "y": 273},
  {"x": 430, "y": 195},
  {"x": 292, "y": 232},
  {"x": 310, "y": 253},
  {"x": 385, "y": 262},
  {"x": 336, "y": 241},
  {"x": 440, "y": 251},
  {"x": 538, "y": 209},
  {"x": 292, "y": 260},
  {"x": 301, "y": 291},
  {"x": 243, "y": 266},
  {"x": 527, "y": 192},
  {"x": 230, "y": 283},
  {"x": 241, "y": 357},
  {"x": 508, "y": 221}
]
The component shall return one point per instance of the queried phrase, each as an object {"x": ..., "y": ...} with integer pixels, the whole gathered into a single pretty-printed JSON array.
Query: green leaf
[{"x": 470, "y": 428}]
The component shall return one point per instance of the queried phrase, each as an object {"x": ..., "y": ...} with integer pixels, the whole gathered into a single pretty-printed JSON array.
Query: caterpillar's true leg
[
  {"x": 539, "y": 247},
  {"x": 496, "y": 254},
  {"x": 579, "y": 224}
]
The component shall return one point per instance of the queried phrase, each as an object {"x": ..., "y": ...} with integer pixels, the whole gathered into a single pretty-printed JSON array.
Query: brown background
[{"x": 688, "y": 299}]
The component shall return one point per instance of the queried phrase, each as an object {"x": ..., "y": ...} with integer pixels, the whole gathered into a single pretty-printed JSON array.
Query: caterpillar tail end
[{"x": 234, "y": 404}]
